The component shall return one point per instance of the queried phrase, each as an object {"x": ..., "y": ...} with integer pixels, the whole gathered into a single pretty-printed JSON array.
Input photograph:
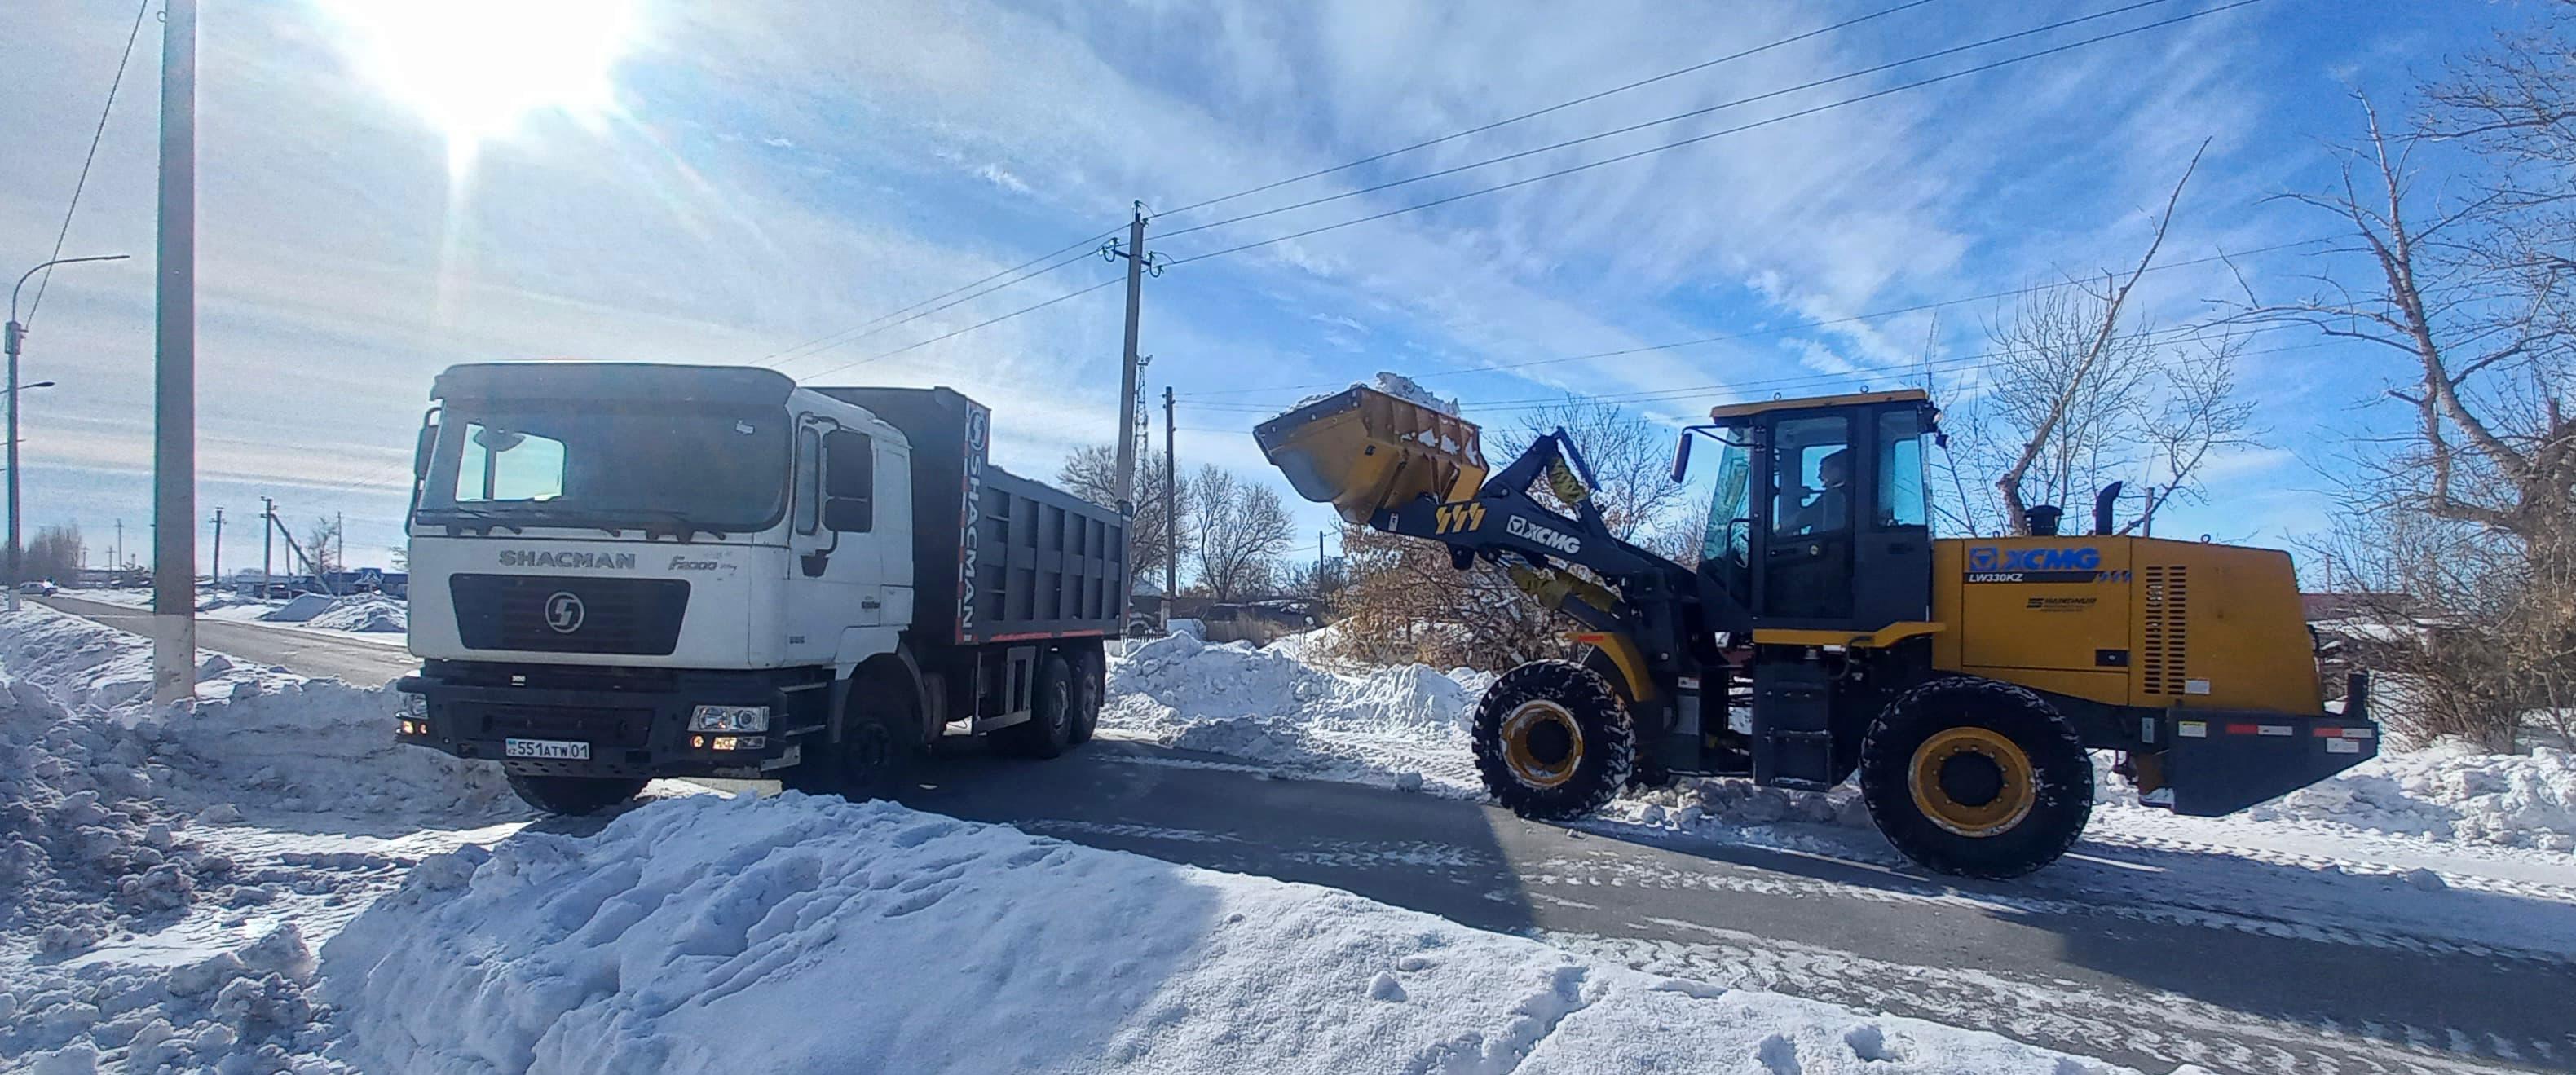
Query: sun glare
[{"x": 476, "y": 68}]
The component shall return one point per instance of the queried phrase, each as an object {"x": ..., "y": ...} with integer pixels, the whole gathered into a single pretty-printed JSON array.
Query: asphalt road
[{"x": 2098, "y": 974}]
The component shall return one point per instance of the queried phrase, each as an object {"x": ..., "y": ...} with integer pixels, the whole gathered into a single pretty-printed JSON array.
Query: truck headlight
[
  {"x": 415, "y": 705},
  {"x": 729, "y": 718}
]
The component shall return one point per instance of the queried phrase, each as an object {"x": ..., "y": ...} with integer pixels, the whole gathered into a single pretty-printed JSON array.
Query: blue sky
[{"x": 771, "y": 173}]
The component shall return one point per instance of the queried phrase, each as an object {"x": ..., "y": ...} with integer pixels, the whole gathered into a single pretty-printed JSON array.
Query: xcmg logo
[{"x": 1990, "y": 558}]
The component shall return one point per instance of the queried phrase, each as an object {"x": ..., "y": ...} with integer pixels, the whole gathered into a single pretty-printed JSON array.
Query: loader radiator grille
[{"x": 2161, "y": 664}]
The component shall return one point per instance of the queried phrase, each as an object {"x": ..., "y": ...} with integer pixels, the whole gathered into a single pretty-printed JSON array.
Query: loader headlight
[{"x": 729, "y": 718}]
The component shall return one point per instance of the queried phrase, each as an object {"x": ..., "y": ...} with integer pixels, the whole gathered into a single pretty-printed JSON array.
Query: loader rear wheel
[
  {"x": 1049, "y": 729},
  {"x": 573, "y": 796},
  {"x": 1976, "y": 778},
  {"x": 1552, "y": 740}
]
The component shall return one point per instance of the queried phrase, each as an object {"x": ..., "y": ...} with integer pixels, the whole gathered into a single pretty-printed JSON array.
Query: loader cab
[{"x": 1820, "y": 514}]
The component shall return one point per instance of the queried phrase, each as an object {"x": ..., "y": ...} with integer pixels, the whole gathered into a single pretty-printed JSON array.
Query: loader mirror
[{"x": 1681, "y": 457}]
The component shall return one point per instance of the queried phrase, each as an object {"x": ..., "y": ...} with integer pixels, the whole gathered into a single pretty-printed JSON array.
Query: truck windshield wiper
[
  {"x": 491, "y": 519},
  {"x": 680, "y": 525}
]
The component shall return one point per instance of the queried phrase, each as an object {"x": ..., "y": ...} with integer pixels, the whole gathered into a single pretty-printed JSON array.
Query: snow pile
[
  {"x": 245, "y": 1009},
  {"x": 1270, "y": 705},
  {"x": 718, "y": 934},
  {"x": 1397, "y": 385},
  {"x": 253, "y": 739},
  {"x": 2449, "y": 791},
  {"x": 301, "y": 609},
  {"x": 373, "y": 613}
]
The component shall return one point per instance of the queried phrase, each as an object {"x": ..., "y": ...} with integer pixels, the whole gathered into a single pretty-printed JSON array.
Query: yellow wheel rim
[
  {"x": 1542, "y": 744},
  {"x": 1972, "y": 781}
]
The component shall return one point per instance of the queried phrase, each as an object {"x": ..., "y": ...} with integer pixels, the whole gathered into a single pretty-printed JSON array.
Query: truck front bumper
[{"x": 627, "y": 730}]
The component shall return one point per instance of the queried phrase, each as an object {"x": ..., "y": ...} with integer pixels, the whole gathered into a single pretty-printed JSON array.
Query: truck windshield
[{"x": 575, "y": 465}]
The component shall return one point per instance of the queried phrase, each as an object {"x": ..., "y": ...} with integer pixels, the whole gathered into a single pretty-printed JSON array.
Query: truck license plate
[{"x": 546, "y": 748}]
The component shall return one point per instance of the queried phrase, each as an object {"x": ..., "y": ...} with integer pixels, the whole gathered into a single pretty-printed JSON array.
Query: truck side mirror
[
  {"x": 420, "y": 449},
  {"x": 848, "y": 514}
]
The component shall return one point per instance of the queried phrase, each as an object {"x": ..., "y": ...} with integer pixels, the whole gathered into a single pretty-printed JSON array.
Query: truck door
[{"x": 836, "y": 573}]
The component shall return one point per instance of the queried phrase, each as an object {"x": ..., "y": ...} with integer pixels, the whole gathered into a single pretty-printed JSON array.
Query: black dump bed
[{"x": 1041, "y": 563}]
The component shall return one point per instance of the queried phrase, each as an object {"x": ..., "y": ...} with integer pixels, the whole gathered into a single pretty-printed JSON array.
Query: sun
[{"x": 476, "y": 68}]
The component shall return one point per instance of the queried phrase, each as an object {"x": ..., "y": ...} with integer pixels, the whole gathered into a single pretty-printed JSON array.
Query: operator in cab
[{"x": 1829, "y": 508}]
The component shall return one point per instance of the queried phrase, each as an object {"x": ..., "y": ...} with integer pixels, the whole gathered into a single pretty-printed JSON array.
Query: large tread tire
[
  {"x": 1602, "y": 753},
  {"x": 876, "y": 755},
  {"x": 2060, "y": 777},
  {"x": 1647, "y": 772},
  {"x": 574, "y": 796},
  {"x": 1049, "y": 729},
  {"x": 1090, "y": 691}
]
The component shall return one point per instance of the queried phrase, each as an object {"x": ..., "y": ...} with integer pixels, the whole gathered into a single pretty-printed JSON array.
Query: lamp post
[{"x": 16, "y": 335}]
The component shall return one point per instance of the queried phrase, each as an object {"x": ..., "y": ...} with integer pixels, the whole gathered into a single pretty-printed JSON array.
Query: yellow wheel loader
[{"x": 1825, "y": 632}]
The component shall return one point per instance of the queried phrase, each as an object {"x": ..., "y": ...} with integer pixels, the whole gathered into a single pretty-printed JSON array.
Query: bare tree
[
  {"x": 1629, "y": 459},
  {"x": 2467, "y": 294},
  {"x": 1091, "y": 473},
  {"x": 55, "y": 554},
  {"x": 2194, "y": 415},
  {"x": 321, "y": 546},
  {"x": 1241, "y": 530}
]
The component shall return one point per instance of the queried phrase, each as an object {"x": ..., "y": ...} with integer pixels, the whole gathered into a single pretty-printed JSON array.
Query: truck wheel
[
  {"x": 1976, "y": 778},
  {"x": 874, "y": 756},
  {"x": 1552, "y": 740},
  {"x": 1089, "y": 689},
  {"x": 574, "y": 795},
  {"x": 1049, "y": 728}
]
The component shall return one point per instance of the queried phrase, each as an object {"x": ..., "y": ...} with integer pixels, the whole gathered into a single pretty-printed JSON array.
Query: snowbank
[
  {"x": 131, "y": 935},
  {"x": 1269, "y": 705},
  {"x": 371, "y": 613},
  {"x": 809, "y": 934},
  {"x": 300, "y": 609},
  {"x": 2449, "y": 791}
]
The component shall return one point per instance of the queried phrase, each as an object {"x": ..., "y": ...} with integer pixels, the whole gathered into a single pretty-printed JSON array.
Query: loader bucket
[{"x": 1364, "y": 451}]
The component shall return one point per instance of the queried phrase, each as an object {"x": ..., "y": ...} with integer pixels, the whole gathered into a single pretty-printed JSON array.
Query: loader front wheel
[
  {"x": 1553, "y": 740},
  {"x": 1976, "y": 778}
]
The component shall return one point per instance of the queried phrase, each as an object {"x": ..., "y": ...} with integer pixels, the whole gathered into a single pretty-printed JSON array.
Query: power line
[
  {"x": 1918, "y": 84},
  {"x": 1560, "y": 106},
  {"x": 95, "y": 137},
  {"x": 1675, "y": 118},
  {"x": 872, "y": 327},
  {"x": 887, "y": 320},
  {"x": 970, "y": 328},
  {"x": 1758, "y": 333}
]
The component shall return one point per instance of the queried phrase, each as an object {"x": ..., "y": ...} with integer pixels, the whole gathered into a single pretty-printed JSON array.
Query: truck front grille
[
  {"x": 598, "y": 727},
  {"x": 551, "y": 614}
]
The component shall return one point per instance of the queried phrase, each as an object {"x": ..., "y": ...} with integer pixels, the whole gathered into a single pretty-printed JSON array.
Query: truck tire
[
  {"x": 1976, "y": 778},
  {"x": 1090, "y": 688},
  {"x": 573, "y": 796},
  {"x": 1552, "y": 740},
  {"x": 1049, "y": 729},
  {"x": 876, "y": 753}
]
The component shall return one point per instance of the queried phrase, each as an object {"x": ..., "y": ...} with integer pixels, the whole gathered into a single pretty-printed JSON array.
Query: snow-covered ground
[
  {"x": 372, "y": 618},
  {"x": 260, "y": 880},
  {"x": 2397, "y": 851}
]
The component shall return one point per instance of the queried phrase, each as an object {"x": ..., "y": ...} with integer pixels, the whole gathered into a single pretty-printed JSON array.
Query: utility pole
[
  {"x": 267, "y": 538},
  {"x": 174, "y": 381},
  {"x": 12, "y": 339},
  {"x": 1171, "y": 513},
  {"x": 1138, "y": 263},
  {"x": 217, "y": 574},
  {"x": 340, "y": 543},
  {"x": 116, "y": 560}
]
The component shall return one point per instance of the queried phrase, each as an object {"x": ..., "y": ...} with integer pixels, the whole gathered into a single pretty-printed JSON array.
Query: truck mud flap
[{"x": 2218, "y": 762}]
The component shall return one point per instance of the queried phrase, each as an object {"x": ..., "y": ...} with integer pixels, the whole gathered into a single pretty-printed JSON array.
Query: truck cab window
[
  {"x": 809, "y": 479},
  {"x": 1902, "y": 496},
  {"x": 500, "y": 464}
]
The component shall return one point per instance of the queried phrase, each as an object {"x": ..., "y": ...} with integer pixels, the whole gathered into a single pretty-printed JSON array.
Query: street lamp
[{"x": 14, "y": 336}]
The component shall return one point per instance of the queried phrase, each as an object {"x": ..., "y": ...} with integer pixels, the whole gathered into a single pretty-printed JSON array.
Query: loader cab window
[
  {"x": 1903, "y": 498},
  {"x": 1811, "y": 476},
  {"x": 1727, "y": 536}
]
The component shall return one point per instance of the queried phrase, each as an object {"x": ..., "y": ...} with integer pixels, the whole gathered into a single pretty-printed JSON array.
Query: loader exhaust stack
[{"x": 1364, "y": 452}]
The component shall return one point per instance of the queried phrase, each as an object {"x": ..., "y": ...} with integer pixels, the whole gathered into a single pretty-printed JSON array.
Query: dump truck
[
  {"x": 1826, "y": 634},
  {"x": 624, "y": 571}
]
